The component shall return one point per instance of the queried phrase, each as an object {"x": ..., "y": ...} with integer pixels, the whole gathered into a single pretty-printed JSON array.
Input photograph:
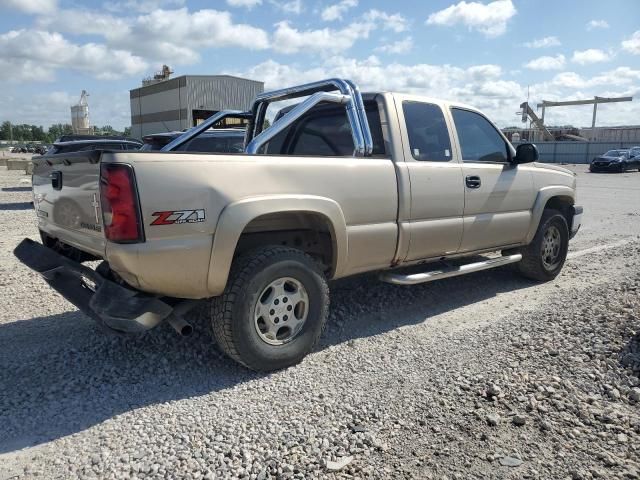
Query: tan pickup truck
[{"x": 339, "y": 183}]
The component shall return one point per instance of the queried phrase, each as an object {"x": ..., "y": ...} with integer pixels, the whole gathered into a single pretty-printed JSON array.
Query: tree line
[{"x": 25, "y": 133}]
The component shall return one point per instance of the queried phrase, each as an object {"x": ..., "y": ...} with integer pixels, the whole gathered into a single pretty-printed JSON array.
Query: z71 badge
[{"x": 178, "y": 216}]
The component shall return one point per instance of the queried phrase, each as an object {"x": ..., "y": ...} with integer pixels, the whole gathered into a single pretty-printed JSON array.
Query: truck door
[
  {"x": 437, "y": 193},
  {"x": 498, "y": 195}
]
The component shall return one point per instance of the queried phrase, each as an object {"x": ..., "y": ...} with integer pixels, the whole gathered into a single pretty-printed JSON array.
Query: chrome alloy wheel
[
  {"x": 281, "y": 311},
  {"x": 551, "y": 245}
]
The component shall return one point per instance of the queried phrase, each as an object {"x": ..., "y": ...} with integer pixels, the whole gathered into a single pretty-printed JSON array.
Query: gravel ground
[{"x": 482, "y": 376}]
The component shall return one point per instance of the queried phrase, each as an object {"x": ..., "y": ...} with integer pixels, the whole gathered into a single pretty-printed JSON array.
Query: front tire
[
  {"x": 544, "y": 257},
  {"x": 273, "y": 310}
]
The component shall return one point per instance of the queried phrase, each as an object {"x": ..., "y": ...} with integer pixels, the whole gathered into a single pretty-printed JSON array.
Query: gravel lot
[{"x": 483, "y": 376}]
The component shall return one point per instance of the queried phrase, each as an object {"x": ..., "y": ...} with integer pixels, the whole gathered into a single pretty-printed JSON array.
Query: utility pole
[
  {"x": 593, "y": 122},
  {"x": 11, "y": 133}
]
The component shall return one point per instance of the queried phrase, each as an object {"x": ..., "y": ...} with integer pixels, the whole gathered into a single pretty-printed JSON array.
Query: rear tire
[
  {"x": 273, "y": 310},
  {"x": 544, "y": 257}
]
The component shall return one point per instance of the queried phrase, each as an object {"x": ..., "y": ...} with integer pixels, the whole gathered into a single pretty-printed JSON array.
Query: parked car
[
  {"x": 101, "y": 143},
  {"x": 634, "y": 152},
  {"x": 341, "y": 184},
  {"x": 41, "y": 149},
  {"x": 614, "y": 161},
  {"x": 227, "y": 140}
]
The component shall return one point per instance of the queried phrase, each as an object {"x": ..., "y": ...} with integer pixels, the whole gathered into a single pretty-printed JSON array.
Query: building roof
[{"x": 181, "y": 81}]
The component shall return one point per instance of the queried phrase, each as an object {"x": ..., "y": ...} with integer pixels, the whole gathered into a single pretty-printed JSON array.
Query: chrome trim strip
[{"x": 413, "y": 279}]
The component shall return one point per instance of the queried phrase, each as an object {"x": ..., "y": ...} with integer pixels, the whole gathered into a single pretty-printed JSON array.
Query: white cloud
[
  {"x": 593, "y": 24},
  {"x": 335, "y": 11},
  {"x": 395, "y": 22},
  {"x": 546, "y": 63},
  {"x": 244, "y": 3},
  {"x": 289, "y": 6},
  {"x": 36, "y": 7},
  {"x": 36, "y": 54},
  {"x": 483, "y": 86},
  {"x": 399, "y": 47},
  {"x": 479, "y": 85},
  {"x": 328, "y": 41},
  {"x": 621, "y": 76},
  {"x": 490, "y": 19},
  {"x": 543, "y": 42},
  {"x": 84, "y": 22},
  {"x": 632, "y": 44},
  {"x": 141, "y": 5},
  {"x": 589, "y": 56},
  {"x": 174, "y": 36},
  {"x": 288, "y": 39}
]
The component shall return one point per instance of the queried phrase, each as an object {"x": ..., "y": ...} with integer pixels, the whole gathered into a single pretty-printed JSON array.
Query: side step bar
[{"x": 414, "y": 278}]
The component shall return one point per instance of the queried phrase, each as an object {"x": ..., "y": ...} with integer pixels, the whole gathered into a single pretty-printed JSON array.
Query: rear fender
[{"x": 236, "y": 216}]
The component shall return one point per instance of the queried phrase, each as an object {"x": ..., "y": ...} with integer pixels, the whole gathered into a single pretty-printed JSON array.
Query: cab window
[
  {"x": 427, "y": 131},
  {"x": 479, "y": 139},
  {"x": 325, "y": 131}
]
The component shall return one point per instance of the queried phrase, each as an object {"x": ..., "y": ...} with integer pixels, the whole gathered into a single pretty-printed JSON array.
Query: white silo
[{"x": 80, "y": 116}]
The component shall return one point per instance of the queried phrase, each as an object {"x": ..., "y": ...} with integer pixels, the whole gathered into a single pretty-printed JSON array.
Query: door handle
[{"x": 473, "y": 181}]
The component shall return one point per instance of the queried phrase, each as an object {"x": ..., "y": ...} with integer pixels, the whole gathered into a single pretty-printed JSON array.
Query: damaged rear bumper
[{"x": 115, "y": 306}]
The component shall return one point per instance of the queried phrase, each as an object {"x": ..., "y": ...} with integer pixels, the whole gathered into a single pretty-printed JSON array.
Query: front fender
[
  {"x": 236, "y": 216},
  {"x": 544, "y": 195}
]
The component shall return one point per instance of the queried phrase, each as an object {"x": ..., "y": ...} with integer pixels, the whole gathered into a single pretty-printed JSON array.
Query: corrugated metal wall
[
  {"x": 576, "y": 152},
  {"x": 219, "y": 93},
  {"x": 168, "y": 105}
]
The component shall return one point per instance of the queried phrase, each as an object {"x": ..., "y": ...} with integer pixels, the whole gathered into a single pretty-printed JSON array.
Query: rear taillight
[{"x": 119, "y": 203}]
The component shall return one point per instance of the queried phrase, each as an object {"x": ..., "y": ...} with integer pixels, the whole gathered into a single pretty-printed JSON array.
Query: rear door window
[{"x": 427, "y": 130}]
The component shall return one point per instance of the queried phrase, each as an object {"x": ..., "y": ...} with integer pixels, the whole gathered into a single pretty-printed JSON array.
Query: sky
[{"x": 490, "y": 54}]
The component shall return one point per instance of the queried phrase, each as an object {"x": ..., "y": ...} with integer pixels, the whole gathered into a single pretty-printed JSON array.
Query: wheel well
[
  {"x": 310, "y": 232},
  {"x": 564, "y": 205}
]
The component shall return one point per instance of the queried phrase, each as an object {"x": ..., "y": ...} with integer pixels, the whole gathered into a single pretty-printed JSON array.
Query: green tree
[
  {"x": 57, "y": 130},
  {"x": 5, "y": 131}
]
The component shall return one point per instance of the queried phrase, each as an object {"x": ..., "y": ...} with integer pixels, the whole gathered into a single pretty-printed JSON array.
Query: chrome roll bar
[
  {"x": 349, "y": 95},
  {"x": 298, "y": 111},
  {"x": 208, "y": 123},
  {"x": 362, "y": 115},
  {"x": 354, "y": 106}
]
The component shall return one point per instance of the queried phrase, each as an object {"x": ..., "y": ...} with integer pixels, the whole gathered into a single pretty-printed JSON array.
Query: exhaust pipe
[{"x": 180, "y": 325}]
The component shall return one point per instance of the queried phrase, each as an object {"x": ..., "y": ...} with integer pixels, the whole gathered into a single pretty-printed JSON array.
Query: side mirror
[{"x": 526, "y": 153}]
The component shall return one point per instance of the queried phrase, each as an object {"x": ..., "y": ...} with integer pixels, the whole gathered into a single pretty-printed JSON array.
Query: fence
[{"x": 576, "y": 152}]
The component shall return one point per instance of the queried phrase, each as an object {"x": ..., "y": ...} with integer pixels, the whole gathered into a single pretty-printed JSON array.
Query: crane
[{"x": 527, "y": 111}]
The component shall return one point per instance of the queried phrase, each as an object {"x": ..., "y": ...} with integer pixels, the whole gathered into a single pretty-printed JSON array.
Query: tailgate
[{"x": 66, "y": 198}]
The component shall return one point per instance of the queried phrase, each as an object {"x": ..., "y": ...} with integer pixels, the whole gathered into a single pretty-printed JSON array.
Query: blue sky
[{"x": 485, "y": 53}]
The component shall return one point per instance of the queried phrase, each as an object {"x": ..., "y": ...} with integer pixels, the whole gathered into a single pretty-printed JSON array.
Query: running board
[{"x": 414, "y": 278}]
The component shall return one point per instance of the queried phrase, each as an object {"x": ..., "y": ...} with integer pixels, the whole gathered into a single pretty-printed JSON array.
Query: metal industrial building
[{"x": 182, "y": 102}]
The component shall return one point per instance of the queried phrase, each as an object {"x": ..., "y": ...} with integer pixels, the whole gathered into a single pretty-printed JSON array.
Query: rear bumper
[
  {"x": 576, "y": 220},
  {"x": 110, "y": 304}
]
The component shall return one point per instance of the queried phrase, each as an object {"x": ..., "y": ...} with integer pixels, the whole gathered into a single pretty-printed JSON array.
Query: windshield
[
  {"x": 614, "y": 153},
  {"x": 152, "y": 144}
]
